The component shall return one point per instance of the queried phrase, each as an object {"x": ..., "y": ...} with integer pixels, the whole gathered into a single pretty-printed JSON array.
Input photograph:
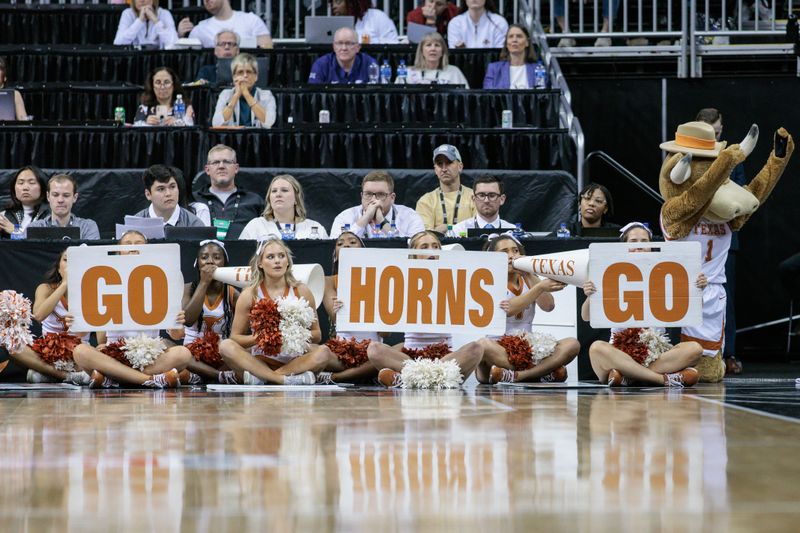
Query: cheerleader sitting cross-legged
[
  {"x": 422, "y": 345},
  {"x": 642, "y": 354},
  {"x": 520, "y": 354}
]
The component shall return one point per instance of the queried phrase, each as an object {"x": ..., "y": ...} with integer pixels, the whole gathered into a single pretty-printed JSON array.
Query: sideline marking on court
[{"x": 747, "y": 409}]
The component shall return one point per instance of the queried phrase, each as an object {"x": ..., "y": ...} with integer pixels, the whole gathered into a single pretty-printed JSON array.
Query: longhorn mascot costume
[{"x": 702, "y": 204}]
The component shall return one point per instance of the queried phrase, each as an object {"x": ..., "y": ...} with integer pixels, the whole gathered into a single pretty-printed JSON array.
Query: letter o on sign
[{"x": 136, "y": 294}]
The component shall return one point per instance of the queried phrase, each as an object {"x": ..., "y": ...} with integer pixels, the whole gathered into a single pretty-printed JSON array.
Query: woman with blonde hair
[
  {"x": 431, "y": 64},
  {"x": 245, "y": 104},
  {"x": 285, "y": 206}
]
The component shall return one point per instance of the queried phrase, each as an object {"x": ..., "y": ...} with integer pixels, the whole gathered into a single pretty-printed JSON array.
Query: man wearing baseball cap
[{"x": 451, "y": 202}]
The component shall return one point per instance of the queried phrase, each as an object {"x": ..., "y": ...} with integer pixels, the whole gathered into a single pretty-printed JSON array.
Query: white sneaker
[
  {"x": 603, "y": 41},
  {"x": 38, "y": 377},
  {"x": 566, "y": 42},
  {"x": 306, "y": 378},
  {"x": 250, "y": 379},
  {"x": 78, "y": 378},
  {"x": 227, "y": 377},
  {"x": 325, "y": 378}
]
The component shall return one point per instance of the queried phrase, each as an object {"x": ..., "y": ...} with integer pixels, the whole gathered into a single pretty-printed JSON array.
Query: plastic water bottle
[
  {"x": 386, "y": 72},
  {"x": 179, "y": 110},
  {"x": 450, "y": 233},
  {"x": 287, "y": 233},
  {"x": 562, "y": 232},
  {"x": 376, "y": 233},
  {"x": 374, "y": 73},
  {"x": 540, "y": 76},
  {"x": 17, "y": 234},
  {"x": 346, "y": 227},
  {"x": 393, "y": 232},
  {"x": 314, "y": 233},
  {"x": 402, "y": 72},
  {"x": 517, "y": 231}
]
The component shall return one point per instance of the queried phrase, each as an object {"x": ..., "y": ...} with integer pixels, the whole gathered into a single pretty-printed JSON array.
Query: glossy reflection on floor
[{"x": 369, "y": 460}]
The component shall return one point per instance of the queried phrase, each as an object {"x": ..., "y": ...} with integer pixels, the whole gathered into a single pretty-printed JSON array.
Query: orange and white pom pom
[{"x": 15, "y": 321}]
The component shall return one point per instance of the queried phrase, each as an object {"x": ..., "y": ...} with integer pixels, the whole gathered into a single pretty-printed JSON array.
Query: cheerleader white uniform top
[
  {"x": 521, "y": 322},
  {"x": 418, "y": 341},
  {"x": 357, "y": 335},
  {"x": 56, "y": 322},
  {"x": 291, "y": 293},
  {"x": 213, "y": 317}
]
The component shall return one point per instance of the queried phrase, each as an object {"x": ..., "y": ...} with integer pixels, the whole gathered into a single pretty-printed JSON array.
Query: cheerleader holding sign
[{"x": 642, "y": 354}]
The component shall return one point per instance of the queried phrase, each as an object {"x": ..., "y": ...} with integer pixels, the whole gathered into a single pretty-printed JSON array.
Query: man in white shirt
[
  {"x": 488, "y": 198},
  {"x": 377, "y": 212},
  {"x": 223, "y": 17}
]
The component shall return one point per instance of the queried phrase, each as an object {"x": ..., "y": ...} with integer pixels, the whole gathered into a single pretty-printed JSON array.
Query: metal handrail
[{"x": 627, "y": 174}]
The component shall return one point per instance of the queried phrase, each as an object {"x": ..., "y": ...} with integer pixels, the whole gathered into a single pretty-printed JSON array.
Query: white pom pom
[
  {"x": 657, "y": 343},
  {"x": 65, "y": 366},
  {"x": 296, "y": 319},
  {"x": 431, "y": 374},
  {"x": 542, "y": 345},
  {"x": 15, "y": 321},
  {"x": 142, "y": 351}
]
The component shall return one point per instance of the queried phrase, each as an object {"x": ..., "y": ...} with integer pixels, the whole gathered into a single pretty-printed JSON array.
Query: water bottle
[
  {"x": 374, "y": 73},
  {"x": 346, "y": 227},
  {"x": 287, "y": 233},
  {"x": 314, "y": 233},
  {"x": 386, "y": 72},
  {"x": 17, "y": 234},
  {"x": 562, "y": 232},
  {"x": 375, "y": 232},
  {"x": 393, "y": 231},
  {"x": 450, "y": 233},
  {"x": 540, "y": 76},
  {"x": 402, "y": 72},
  {"x": 179, "y": 110},
  {"x": 517, "y": 231}
]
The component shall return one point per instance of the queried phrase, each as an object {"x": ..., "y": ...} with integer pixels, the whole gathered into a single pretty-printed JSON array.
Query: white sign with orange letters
[
  {"x": 654, "y": 288},
  {"x": 116, "y": 288},
  {"x": 422, "y": 291}
]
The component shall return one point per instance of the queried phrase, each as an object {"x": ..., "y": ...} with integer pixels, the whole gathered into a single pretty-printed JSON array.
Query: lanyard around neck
[{"x": 444, "y": 208}]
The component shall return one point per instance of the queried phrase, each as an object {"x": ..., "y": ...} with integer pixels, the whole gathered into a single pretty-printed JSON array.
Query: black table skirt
[
  {"x": 287, "y": 65},
  {"x": 322, "y": 147},
  {"x": 412, "y": 104}
]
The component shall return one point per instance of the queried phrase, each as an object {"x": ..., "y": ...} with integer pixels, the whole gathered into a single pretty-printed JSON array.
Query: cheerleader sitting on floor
[
  {"x": 136, "y": 357},
  {"x": 50, "y": 358},
  {"x": 209, "y": 306},
  {"x": 422, "y": 345},
  {"x": 642, "y": 354},
  {"x": 520, "y": 354},
  {"x": 350, "y": 347},
  {"x": 275, "y": 317}
]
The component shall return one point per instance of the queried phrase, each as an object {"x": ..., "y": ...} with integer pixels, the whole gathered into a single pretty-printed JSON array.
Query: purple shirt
[{"x": 327, "y": 70}]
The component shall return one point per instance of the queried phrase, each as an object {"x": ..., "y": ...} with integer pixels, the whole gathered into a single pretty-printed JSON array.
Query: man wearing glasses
[
  {"x": 346, "y": 64},
  {"x": 488, "y": 198},
  {"x": 227, "y": 47},
  {"x": 231, "y": 208},
  {"x": 377, "y": 212}
]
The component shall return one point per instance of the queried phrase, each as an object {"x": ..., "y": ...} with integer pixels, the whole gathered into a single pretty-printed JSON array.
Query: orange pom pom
[
  {"x": 627, "y": 341},
  {"x": 351, "y": 353},
  {"x": 518, "y": 350},
  {"x": 206, "y": 349},
  {"x": 265, "y": 323},
  {"x": 114, "y": 350},
  {"x": 55, "y": 347},
  {"x": 432, "y": 351}
]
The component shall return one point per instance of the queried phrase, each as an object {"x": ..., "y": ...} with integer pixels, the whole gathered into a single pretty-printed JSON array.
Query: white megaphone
[
  {"x": 311, "y": 274},
  {"x": 570, "y": 267}
]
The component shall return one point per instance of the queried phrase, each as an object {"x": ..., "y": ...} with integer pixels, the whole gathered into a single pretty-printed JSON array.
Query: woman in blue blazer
[{"x": 515, "y": 70}]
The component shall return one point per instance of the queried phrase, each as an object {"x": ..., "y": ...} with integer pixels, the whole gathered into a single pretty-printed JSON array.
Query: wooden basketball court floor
[{"x": 720, "y": 457}]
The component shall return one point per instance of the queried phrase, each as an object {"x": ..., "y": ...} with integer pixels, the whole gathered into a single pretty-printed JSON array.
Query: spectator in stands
[
  {"x": 19, "y": 104},
  {"x": 231, "y": 208},
  {"x": 144, "y": 23},
  {"x": 515, "y": 70},
  {"x": 26, "y": 201},
  {"x": 161, "y": 89},
  {"x": 163, "y": 191},
  {"x": 594, "y": 204},
  {"x": 732, "y": 364},
  {"x": 373, "y": 26},
  {"x": 489, "y": 197},
  {"x": 436, "y": 13},
  {"x": 186, "y": 198},
  {"x": 377, "y": 212},
  {"x": 285, "y": 206},
  {"x": 226, "y": 47},
  {"x": 223, "y": 17},
  {"x": 478, "y": 26},
  {"x": 245, "y": 104},
  {"x": 346, "y": 64},
  {"x": 609, "y": 10},
  {"x": 431, "y": 64},
  {"x": 451, "y": 202},
  {"x": 62, "y": 193}
]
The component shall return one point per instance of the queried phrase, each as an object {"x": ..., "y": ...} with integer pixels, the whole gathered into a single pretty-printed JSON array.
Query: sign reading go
[
  {"x": 423, "y": 291},
  {"x": 115, "y": 288},
  {"x": 645, "y": 284}
]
